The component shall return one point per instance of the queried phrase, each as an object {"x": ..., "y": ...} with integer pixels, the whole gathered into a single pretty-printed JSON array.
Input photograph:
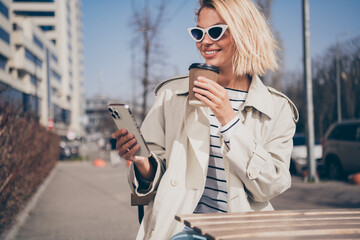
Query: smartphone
[{"x": 123, "y": 118}]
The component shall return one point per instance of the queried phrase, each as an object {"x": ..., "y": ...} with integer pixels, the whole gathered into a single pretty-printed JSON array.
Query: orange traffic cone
[
  {"x": 355, "y": 178},
  {"x": 99, "y": 163}
]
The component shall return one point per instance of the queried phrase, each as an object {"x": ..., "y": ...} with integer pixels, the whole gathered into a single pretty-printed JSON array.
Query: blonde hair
[{"x": 255, "y": 46}]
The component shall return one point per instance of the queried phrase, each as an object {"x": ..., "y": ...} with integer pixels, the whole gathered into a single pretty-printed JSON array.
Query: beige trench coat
[{"x": 256, "y": 166}]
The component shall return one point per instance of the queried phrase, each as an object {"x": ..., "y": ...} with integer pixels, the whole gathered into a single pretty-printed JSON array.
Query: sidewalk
[
  {"x": 86, "y": 202},
  {"x": 83, "y": 202}
]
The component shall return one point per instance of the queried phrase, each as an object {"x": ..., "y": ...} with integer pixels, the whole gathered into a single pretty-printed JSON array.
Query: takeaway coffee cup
[{"x": 204, "y": 70}]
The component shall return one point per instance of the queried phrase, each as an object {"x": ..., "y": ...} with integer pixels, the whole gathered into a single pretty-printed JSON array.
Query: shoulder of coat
[
  {"x": 179, "y": 83},
  {"x": 292, "y": 105}
]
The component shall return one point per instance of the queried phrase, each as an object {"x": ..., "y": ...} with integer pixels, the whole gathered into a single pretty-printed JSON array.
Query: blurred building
[
  {"x": 99, "y": 123},
  {"x": 41, "y": 60},
  {"x": 96, "y": 111}
]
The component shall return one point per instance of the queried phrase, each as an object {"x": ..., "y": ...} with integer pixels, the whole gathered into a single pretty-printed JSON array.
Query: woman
[{"x": 231, "y": 156}]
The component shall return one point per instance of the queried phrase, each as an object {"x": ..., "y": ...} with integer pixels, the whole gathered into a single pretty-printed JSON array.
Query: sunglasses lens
[
  {"x": 215, "y": 32},
  {"x": 197, "y": 34}
]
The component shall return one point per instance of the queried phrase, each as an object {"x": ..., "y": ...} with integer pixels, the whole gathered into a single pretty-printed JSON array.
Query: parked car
[
  {"x": 68, "y": 149},
  {"x": 341, "y": 149},
  {"x": 298, "y": 162},
  {"x": 65, "y": 151}
]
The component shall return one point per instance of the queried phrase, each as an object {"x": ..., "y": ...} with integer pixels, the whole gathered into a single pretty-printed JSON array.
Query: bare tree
[
  {"x": 275, "y": 78},
  {"x": 324, "y": 83},
  {"x": 147, "y": 22}
]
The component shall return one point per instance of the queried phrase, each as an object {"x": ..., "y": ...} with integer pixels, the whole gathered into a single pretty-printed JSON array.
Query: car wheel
[
  {"x": 334, "y": 169},
  {"x": 292, "y": 167}
]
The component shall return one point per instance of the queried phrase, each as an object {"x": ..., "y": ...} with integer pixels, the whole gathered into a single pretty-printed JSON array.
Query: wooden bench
[
  {"x": 140, "y": 202},
  {"x": 298, "y": 224}
]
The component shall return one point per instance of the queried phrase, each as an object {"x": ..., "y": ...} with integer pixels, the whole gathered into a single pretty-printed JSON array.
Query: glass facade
[
  {"x": 10, "y": 94},
  {"x": 28, "y": 103}
]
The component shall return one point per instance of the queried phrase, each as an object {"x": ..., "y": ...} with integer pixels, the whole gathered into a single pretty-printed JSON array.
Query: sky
[{"x": 111, "y": 61}]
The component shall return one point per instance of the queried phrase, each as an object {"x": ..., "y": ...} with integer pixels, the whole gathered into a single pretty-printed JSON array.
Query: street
[{"x": 82, "y": 201}]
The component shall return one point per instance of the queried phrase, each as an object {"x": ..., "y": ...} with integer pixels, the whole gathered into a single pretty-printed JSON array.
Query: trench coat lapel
[{"x": 198, "y": 132}]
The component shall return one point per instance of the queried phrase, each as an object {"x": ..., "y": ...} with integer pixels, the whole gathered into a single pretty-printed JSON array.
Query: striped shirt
[{"x": 214, "y": 198}]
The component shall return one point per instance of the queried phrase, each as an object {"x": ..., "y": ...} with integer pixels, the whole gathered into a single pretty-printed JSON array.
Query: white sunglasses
[{"x": 215, "y": 32}]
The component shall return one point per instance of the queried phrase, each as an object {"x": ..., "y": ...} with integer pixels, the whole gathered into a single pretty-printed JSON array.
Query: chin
[{"x": 212, "y": 62}]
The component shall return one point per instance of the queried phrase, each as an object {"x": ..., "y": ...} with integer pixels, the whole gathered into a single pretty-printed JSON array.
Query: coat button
[
  {"x": 173, "y": 182},
  {"x": 252, "y": 172}
]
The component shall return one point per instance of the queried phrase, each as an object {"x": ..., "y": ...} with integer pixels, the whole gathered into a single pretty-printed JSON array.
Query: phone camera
[
  {"x": 113, "y": 115},
  {"x": 110, "y": 110},
  {"x": 117, "y": 114}
]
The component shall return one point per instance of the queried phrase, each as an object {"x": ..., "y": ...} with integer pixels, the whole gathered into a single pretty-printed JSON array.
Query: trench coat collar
[{"x": 259, "y": 97}]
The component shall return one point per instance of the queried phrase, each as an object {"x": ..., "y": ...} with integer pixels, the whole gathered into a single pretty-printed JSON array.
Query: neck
[{"x": 229, "y": 80}]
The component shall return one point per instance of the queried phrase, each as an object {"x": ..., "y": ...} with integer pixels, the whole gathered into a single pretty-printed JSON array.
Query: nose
[{"x": 207, "y": 39}]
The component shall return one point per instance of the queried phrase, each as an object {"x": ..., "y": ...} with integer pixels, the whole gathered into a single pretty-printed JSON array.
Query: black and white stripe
[{"x": 214, "y": 198}]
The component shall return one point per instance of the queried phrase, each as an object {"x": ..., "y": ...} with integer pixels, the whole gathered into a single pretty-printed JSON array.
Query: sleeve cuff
[{"x": 227, "y": 130}]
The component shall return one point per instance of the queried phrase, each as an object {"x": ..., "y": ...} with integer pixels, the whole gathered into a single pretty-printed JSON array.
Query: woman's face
[{"x": 217, "y": 53}]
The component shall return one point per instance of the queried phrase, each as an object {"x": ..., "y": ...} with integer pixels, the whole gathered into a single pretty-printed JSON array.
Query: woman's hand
[
  {"x": 216, "y": 98},
  {"x": 127, "y": 147}
]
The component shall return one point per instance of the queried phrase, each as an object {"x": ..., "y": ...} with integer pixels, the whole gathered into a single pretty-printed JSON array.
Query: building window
[
  {"x": 66, "y": 116},
  {"x": 57, "y": 113},
  {"x": 4, "y": 36},
  {"x": 10, "y": 94},
  {"x": 46, "y": 28},
  {"x": 35, "y": 13},
  {"x": 33, "y": 79},
  {"x": 61, "y": 115},
  {"x": 33, "y": 0},
  {"x": 31, "y": 104},
  {"x": 53, "y": 57},
  {"x": 32, "y": 58},
  {"x": 38, "y": 42},
  {"x": 55, "y": 75},
  {"x": 4, "y": 10},
  {"x": 3, "y": 62},
  {"x": 17, "y": 27}
]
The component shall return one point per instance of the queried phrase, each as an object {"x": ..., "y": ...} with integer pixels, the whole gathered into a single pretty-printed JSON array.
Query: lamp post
[{"x": 311, "y": 176}]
